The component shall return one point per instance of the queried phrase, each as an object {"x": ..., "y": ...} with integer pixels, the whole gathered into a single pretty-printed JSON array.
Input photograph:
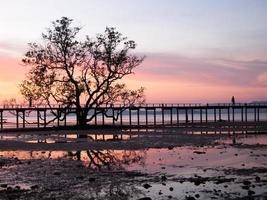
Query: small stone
[
  {"x": 146, "y": 186},
  {"x": 91, "y": 179},
  {"x": 3, "y": 185},
  {"x": 160, "y": 193},
  {"x": 246, "y": 182},
  {"x": 57, "y": 173},
  {"x": 17, "y": 187},
  {"x": 170, "y": 196},
  {"x": 170, "y": 147},
  {"x": 171, "y": 188},
  {"x": 199, "y": 152},
  {"x": 163, "y": 178},
  {"x": 190, "y": 198},
  {"x": 145, "y": 198},
  {"x": 197, "y": 195},
  {"x": 250, "y": 192},
  {"x": 245, "y": 187},
  {"x": 34, "y": 187},
  {"x": 257, "y": 178}
]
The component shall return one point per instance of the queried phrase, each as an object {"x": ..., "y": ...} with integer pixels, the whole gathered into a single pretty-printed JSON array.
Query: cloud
[
  {"x": 262, "y": 79},
  {"x": 13, "y": 49},
  {"x": 205, "y": 71}
]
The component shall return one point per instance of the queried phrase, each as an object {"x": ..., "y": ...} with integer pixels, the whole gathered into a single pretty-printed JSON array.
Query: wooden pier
[{"x": 149, "y": 115}]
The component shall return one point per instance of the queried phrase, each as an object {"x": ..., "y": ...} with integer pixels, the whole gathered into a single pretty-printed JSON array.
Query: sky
[{"x": 196, "y": 51}]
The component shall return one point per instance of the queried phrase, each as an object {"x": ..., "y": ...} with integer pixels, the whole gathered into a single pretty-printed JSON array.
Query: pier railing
[{"x": 41, "y": 117}]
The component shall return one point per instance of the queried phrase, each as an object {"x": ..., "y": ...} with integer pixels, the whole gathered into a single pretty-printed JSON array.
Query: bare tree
[{"x": 80, "y": 74}]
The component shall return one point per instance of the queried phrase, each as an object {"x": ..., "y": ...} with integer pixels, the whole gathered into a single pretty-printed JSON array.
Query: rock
[
  {"x": 34, "y": 187},
  {"x": 146, "y": 186},
  {"x": 199, "y": 152},
  {"x": 246, "y": 182},
  {"x": 170, "y": 196},
  {"x": 91, "y": 179},
  {"x": 160, "y": 193},
  {"x": 170, "y": 147},
  {"x": 163, "y": 178},
  {"x": 251, "y": 192},
  {"x": 190, "y": 198},
  {"x": 17, "y": 187},
  {"x": 257, "y": 178},
  {"x": 145, "y": 198},
  {"x": 245, "y": 187},
  {"x": 57, "y": 173},
  {"x": 171, "y": 188},
  {"x": 197, "y": 195},
  {"x": 3, "y": 185}
]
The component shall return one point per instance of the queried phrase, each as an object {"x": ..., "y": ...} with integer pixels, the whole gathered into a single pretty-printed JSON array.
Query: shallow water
[{"x": 218, "y": 170}]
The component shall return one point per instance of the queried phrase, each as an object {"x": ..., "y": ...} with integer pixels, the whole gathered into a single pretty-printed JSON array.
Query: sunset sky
[{"x": 196, "y": 50}]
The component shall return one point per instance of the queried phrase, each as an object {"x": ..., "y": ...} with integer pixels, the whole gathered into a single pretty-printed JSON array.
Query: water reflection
[
  {"x": 108, "y": 159},
  {"x": 94, "y": 159}
]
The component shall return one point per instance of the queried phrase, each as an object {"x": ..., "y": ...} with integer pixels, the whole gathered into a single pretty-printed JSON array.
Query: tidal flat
[{"x": 135, "y": 164}]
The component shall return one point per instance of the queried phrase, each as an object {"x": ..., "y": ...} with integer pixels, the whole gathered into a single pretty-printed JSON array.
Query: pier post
[
  {"x": 155, "y": 117},
  {"x": 121, "y": 116},
  {"x": 17, "y": 118},
  {"x": 138, "y": 117},
  {"x": 113, "y": 120},
  {"x": 65, "y": 117},
  {"x": 146, "y": 117},
  {"x": 95, "y": 117},
  {"x": 186, "y": 116},
  {"x": 130, "y": 116},
  {"x": 215, "y": 115},
  {"x": 258, "y": 114},
  {"x": 192, "y": 115},
  {"x": 171, "y": 115},
  {"x": 162, "y": 112},
  {"x": 228, "y": 114},
  {"x": 177, "y": 112},
  {"x": 233, "y": 114},
  {"x": 38, "y": 118},
  {"x": 206, "y": 114},
  {"x": 220, "y": 114},
  {"x": 246, "y": 113},
  {"x": 255, "y": 114},
  {"x": 23, "y": 118},
  {"x": 242, "y": 114},
  {"x": 44, "y": 118},
  {"x": 1, "y": 122},
  {"x": 103, "y": 117},
  {"x": 200, "y": 115},
  {"x": 58, "y": 117}
]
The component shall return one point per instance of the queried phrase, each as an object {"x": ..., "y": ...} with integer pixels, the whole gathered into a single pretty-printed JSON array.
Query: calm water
[
  {"x": 31, "y": 117},
  {"x": 209, "y": 171}
]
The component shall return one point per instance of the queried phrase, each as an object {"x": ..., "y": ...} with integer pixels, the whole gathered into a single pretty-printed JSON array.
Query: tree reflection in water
[{"x": 109, "y": 159}]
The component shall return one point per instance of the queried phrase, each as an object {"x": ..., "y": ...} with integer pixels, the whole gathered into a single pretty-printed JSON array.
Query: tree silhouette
[{"x": 80, "y": 74}]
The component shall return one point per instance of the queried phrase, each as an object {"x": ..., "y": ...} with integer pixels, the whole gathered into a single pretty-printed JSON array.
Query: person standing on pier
[{"x": 233, "y": 100}]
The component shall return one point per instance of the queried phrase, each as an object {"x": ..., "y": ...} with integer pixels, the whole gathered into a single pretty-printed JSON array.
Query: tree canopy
[{"x": 82, "y": 74}]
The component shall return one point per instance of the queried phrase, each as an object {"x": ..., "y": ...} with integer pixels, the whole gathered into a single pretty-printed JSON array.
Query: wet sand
[{"x": 166, "y": 165}]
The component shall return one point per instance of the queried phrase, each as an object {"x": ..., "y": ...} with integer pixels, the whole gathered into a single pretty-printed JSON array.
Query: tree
[{"x": 80, "y": 74}]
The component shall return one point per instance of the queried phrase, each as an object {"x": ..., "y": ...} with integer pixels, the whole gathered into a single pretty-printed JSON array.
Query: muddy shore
[{"x": 143, "y": 166}]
